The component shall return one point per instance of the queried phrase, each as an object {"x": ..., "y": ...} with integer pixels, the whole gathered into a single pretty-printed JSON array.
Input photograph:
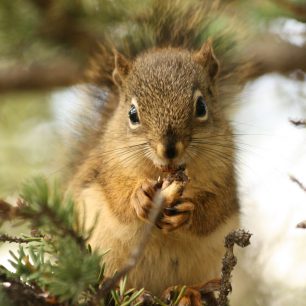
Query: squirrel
[{"x": 161, "y": 114}]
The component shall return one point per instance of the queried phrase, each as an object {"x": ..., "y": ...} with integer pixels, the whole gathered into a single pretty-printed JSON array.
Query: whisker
[
  {"x": 215, "y": 151},
  {"x": 124, "y": 148},
  {"x": 204, "y": 149},
  {"x": 138, "y": 155},
  {"x": 227, "y": 141},
  {"x": 223, "y": 145},
  {"x": 209, "y": 153},
  {"x": 192, "y": 155}
]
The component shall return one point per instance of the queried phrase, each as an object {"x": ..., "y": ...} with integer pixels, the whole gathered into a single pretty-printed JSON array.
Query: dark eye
[
  {"x": 201, "y": 108},
  {"x": 133, "y": 115}
]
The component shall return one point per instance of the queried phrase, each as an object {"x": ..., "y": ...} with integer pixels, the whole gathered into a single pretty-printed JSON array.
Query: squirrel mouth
[
  {"x": 169, "y": 166},
  {"x": 172, "y": 168}
]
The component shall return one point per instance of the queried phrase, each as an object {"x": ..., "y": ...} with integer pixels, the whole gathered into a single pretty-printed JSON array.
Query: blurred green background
[
  {"x": 28, "y": 138},
  {"x": 45, "y": 46}
]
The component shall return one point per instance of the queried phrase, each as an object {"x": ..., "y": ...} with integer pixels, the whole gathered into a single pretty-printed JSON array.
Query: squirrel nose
[{"x": 170, "y": 149}]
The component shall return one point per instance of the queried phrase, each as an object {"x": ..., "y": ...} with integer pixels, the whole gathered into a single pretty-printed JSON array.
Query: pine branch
[
  {"x": 23, "y": 211},
  {"x": 59, "y": 272},
  {"x": 44, "y": 210},
  {"x": 22, "y": 294},
  {"x": 10, "y": 239}
]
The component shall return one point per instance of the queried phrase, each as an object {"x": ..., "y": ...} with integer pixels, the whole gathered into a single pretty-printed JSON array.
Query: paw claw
[
  {"x": 142, "y": 199},
  {"x": 176, "y": 216}
]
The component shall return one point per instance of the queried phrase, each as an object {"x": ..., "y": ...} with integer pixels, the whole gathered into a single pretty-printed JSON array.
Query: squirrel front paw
[
  {"x": 177, "y": 210},
  {"x": 142, "y": 199},
  {"x": 176, "y": 216}
]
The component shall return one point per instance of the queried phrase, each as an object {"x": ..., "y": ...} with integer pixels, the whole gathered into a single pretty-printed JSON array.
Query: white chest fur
[{"x": 168, "y": 259}]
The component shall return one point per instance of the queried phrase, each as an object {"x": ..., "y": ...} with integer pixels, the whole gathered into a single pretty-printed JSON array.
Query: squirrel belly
[
  {"x": 178, "y": 257},
  {"x": 168, "y": 118}
]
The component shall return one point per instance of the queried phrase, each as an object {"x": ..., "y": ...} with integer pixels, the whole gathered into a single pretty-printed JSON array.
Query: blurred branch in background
[
  {"x": 40, "y": 76},
  {"x": 273, "y": 54},
  {"x": 47, "y": 43},
  {"x": 297, "y": 9}
]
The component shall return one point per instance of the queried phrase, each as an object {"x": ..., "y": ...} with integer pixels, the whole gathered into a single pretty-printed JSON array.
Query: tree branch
[
  {"x": 22, "y": 294},
  {"x": 295, "y": 180},
  {"x": 298, "y": 10},
  {"x": 242, "y": 239},
  {"x": 10, "y": 239},
  {"x": 299, "y": 123},
  {"x": 136, "y": 253},
  {"x": 272, "y": 54},
  {"x": 40, "y": 76}
]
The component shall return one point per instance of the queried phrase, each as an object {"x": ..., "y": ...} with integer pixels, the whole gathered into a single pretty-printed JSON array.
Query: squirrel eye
[
  {"x": 133, "y": 115},
  {"x": 201, "y": 108}
]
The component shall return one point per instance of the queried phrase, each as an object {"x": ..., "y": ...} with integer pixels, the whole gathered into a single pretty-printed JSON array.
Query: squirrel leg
[{"x": 142, "y": 199}]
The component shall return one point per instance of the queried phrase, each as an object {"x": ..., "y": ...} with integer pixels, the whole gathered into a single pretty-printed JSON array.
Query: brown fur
[
  {"x": 162, "y": 24},
  {"x": 163, "y": 81}
]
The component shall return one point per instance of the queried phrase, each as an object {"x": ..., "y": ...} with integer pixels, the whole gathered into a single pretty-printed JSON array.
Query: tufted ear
[
  {"x": 206, "y": 57},
  {"x": 122, "y": 68}
]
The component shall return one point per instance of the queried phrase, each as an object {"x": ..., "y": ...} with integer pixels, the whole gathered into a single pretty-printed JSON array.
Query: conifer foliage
[{"x": 54, "y": 264}]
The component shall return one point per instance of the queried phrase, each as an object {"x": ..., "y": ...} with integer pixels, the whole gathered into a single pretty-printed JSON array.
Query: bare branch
[
  {"x": 300, "y": 123},
  {"x": 136, "y": 253},
  {"x": 242, "y": 239},
  {"x": 295, "y": 180},
  {"x": 301, "y": 224}
]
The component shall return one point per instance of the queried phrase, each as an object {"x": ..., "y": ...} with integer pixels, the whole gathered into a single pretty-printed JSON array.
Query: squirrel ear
[
  {"x": 206, "y": 57},
  {"x": 122, "y": 68}
]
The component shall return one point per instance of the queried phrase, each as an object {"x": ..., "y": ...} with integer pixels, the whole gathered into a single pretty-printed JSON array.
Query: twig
[
  {"x": 22, "y": 294},
  {"x": 137, "y": 251},
  {"x": 10, "y": 239},
  {"x": 301, "y": 224},
  {"x": 10, "y": 212},
  {"x": 295, "y": 180},
  {"x": 242, "y": 239},
  {"x": 7, "y": 211},
  {"x": 300, "y": 123},
  {"x": 54, "y": 218}
]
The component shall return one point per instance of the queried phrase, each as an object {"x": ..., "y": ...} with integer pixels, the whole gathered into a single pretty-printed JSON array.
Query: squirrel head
[{"x": 168, "y": 98}]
